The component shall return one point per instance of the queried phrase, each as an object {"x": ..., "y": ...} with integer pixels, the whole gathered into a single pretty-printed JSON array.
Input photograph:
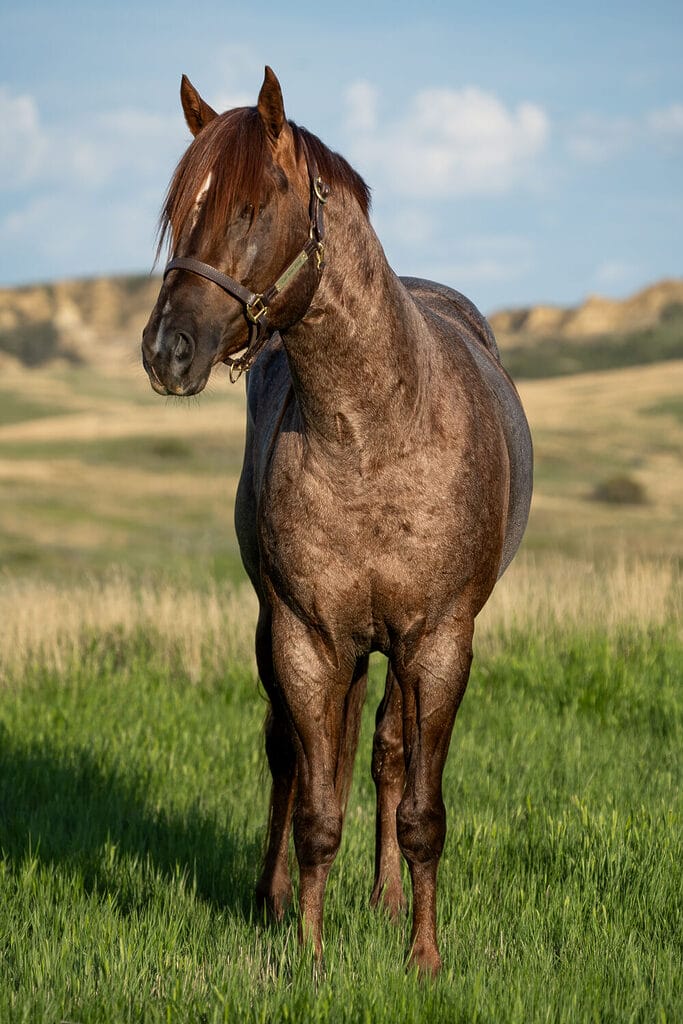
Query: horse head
[{"x": 245, "y": 199}]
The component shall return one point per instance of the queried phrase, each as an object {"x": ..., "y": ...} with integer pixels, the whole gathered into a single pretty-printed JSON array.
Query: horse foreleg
[
  {"x": 274, "y": 887},
  {"x": 388, "y": 772},
  {"x": 314, "y": 682},
  {"x": 433, "y": 675}
]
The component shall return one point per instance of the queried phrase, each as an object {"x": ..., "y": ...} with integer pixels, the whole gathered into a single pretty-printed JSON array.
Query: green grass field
[
  {"x": 133, "y": 790},
  {"x": 133, "y": 797}
]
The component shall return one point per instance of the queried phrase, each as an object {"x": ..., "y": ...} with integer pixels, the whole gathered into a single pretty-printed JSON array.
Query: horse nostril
[{"x": 184, "y": 347}]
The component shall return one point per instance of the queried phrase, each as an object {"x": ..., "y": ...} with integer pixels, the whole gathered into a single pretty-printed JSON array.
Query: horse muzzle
[{"x": 170, "y": 365}]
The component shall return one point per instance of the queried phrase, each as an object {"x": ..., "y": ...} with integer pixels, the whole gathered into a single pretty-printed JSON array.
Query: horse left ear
[
  {"x": 271, "y": 106},
  {"x": 197, "y": 112}
]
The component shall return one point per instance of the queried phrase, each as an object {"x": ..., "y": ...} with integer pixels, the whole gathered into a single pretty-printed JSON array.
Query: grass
[
  {"x": 668, "y": 407},
  {"x": 133, "y": 797},
  {"x": 116, "y": 476},
  {"x": 16, "y": 408},
  {"x": 595, "y": 426}
]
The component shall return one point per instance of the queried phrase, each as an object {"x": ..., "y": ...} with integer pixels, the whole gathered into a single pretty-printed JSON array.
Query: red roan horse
[{"x": 386, "y": 482}]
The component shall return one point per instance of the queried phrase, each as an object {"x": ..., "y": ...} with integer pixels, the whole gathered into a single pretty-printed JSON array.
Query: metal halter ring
[{"x": 321, "y": 190}]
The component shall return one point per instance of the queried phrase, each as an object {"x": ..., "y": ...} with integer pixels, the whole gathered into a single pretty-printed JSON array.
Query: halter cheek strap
[{"x": 257, "y": 304}]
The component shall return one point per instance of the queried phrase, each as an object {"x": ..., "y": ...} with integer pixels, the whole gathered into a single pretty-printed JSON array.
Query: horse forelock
[{"x": 232, "y": 155}]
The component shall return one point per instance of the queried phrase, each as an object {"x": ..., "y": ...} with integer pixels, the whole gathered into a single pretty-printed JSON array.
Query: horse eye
[{"x": 247, "y": 212}]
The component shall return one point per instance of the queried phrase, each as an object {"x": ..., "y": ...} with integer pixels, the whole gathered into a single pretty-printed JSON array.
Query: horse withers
[{"x": 386, "y": 482}]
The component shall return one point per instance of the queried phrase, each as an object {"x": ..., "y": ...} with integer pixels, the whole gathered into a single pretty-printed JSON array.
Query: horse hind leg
[
  {"x": 350, "y": 732},
  {"x": 388, "y": 772},
  {"x": 274, "y": 887}
]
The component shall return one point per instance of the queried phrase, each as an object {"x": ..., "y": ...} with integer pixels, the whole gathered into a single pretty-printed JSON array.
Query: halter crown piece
[{"x": 256, "y": 304}]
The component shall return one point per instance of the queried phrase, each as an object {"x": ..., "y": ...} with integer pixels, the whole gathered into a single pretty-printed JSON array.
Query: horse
[{"x": 385, "y": 488}]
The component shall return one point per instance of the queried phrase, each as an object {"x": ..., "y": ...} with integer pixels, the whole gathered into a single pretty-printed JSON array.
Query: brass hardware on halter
[
  {"x": 235, "y": 371},
  {"x": 291, "y": 271},
  {"x": 321, "y": 189},
  {"x": 320, "y": 257},
  {"x": 256, "y": 309}
]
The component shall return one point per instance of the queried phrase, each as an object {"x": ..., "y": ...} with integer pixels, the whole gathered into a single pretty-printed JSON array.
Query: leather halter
[{"x": 257, "y": 304}]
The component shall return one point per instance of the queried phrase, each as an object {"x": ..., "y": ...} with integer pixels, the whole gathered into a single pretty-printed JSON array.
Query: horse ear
[
  {"x": 271, "y": 106},
  {"x": 197, "y": 112}
]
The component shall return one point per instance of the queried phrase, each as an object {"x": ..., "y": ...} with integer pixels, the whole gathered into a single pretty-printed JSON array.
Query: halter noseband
[{"x": 256, "y": 304}]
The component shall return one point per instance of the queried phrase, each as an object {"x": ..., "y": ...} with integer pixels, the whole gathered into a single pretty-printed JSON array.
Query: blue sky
[{"x": 519, "y": 153}]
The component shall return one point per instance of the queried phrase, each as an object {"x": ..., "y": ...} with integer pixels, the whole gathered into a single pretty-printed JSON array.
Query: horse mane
[{"x": 233, "y": 148}]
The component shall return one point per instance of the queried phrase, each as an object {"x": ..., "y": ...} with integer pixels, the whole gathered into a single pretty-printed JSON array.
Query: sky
[{"x": 521, "y": 153}]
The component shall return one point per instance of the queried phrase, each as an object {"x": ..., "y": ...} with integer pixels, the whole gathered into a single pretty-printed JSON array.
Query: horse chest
[{"x": 378, "y": 550}]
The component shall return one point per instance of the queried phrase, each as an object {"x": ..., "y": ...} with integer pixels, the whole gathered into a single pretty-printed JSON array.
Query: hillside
[
  {"x": 600, "y": 334},
  {"x": 98, "y": 471},
  {"x": 594, "y": 317},
  {"x": 98, "y": 323},
  {"x": 95, "y": 322}
]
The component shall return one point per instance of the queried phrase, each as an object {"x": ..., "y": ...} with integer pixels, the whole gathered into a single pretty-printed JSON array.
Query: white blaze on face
[
  {"x": 200, "y": 199},
  {"x": 195, "y": 217}
]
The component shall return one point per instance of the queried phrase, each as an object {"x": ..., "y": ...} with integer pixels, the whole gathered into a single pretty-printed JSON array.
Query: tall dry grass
[
  {"x": 552, "y": 593},
  {"x": 201, "y": 630},
  {"x": 194, "y": 630}
]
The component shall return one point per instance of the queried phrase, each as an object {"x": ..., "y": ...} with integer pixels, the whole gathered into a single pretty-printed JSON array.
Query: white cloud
[
  {"x": 22, "y": 139},
  {"x": 80, "y": 234},
  {"x": 229, "y": 100},
  {"x": 83, "y": 191},
  {"x": 361, "y": 100},
  {"x": 89, "y": 153},
  {"x": 410, "y": 224},
  {"x": 487, "y": 259},
  {"x": 596, "y": 138},
  {"x": 446, "y": 142},
  {"x": 83, "y": 194},
  {"x": 618, "y": 273},
  {"x": 667, "y": 125},
  {"x": 482, "y": 271},
  {"x": 25, "y": 219},
  {"x": 238, "y": 63},
  {"x": 127, "y": 142}
]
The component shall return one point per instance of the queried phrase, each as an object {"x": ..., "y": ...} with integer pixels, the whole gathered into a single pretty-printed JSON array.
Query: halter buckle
[
  {"x": 256, "y": 309},
  {"x": 321, "y": 190}
]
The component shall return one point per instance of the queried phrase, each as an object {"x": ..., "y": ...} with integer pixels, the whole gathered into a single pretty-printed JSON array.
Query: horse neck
[{"x": 354, "y": 355}]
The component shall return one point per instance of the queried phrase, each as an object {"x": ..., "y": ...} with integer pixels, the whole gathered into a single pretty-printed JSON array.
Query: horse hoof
[
  {"x": 425, "y": 960},
  {"x": 273, "y": 903},
  {"x": 391, "y": 899}
]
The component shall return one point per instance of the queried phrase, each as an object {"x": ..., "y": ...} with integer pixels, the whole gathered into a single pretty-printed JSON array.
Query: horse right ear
[
  {"x": 270, "y": 105},
  {"x": 197, "y": 112}
]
